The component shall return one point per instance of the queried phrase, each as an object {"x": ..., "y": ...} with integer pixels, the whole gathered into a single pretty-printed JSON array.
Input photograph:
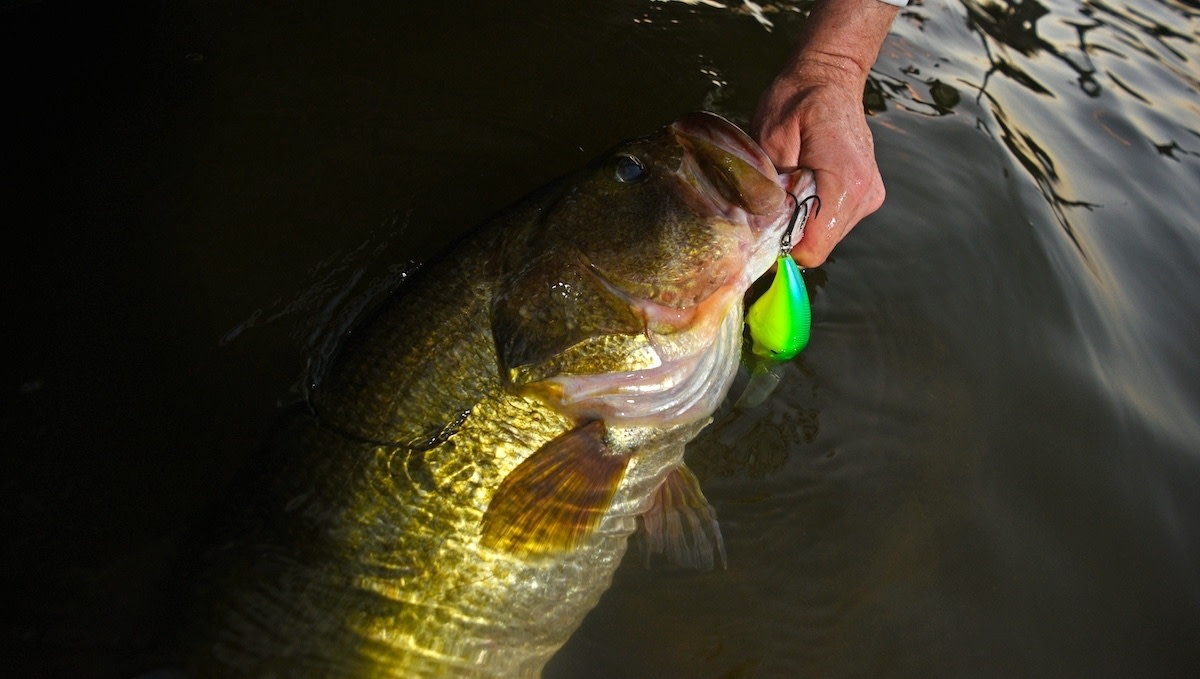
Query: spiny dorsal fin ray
[{"x": 555, "y": 497}]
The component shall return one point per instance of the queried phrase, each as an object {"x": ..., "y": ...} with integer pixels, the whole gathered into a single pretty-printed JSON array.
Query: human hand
[
  {"x": 817, "y": 121},
  {"x": 812, "y": 116}
]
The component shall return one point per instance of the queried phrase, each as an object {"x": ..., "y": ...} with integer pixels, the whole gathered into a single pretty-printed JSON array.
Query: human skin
[{"x": 812, "y": 116}]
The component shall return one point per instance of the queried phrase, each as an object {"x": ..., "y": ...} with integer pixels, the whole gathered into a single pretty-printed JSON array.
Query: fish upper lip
[
  {"x": 767, "y": 226},
  {"x": 721, "y": 132},
  {"x": 755, "y": 194}
]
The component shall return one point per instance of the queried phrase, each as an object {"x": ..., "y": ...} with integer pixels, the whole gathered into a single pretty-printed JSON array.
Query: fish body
[{"x": 462, "y": 484}]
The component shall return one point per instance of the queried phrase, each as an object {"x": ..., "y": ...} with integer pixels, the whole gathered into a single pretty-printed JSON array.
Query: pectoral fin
[
  {"x": 681, "y": 525},
  {"x": 555, "y": 497}
]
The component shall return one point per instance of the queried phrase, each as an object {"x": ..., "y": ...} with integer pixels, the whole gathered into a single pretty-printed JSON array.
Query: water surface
[{"x": 987, "y": 462}]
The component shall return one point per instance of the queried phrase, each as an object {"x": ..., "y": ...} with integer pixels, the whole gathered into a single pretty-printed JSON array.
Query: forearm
[{"x": 842, "y": 38}]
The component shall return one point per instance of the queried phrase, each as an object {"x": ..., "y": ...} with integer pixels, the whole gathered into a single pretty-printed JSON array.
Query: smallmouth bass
[{"x": 464, "y": 481}]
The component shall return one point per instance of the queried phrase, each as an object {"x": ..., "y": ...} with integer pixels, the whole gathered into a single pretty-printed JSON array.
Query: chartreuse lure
[{"x": 780, "y": 320}]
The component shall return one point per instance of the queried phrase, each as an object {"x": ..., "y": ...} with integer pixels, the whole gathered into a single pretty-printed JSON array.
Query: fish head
[
  {"x": 672, "y": 218},
  {"x": 634, "y": 271}
]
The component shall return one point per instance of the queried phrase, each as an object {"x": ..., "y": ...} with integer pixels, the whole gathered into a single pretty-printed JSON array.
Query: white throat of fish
[
  {"x": 687, "y": 372},
  {"x": 687, "y": 386}
]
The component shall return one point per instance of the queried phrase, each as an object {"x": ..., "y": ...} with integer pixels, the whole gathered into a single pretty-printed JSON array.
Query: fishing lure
[{"x": 780, "y": 320}]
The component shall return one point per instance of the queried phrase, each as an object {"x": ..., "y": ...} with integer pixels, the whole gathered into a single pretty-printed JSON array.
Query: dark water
[{"x": 987, "y": 463}]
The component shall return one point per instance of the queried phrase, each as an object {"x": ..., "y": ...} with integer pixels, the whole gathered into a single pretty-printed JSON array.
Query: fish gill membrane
[{"x": 462, "y": 483}]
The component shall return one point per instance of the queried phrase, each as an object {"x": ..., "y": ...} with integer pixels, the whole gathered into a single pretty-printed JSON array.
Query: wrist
[{"x": 813, "y": 68}]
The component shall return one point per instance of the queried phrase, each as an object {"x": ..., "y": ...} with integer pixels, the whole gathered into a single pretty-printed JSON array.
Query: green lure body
[{"x": 780, "y": 320}]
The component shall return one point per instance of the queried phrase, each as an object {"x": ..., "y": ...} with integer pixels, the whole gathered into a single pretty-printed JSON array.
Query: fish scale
[{"x": 463, "y": 484}]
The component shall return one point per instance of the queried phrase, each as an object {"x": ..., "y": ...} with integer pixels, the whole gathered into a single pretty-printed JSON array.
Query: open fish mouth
[
  {"x": 738, "y": 179},
  {"x": 693, "y": 337},
  {"x": 729, "y": 163},
  {"x": 729, "y": 177}
]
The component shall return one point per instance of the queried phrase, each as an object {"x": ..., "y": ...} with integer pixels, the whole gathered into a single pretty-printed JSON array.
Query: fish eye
[{"x": 630, "y": 169}]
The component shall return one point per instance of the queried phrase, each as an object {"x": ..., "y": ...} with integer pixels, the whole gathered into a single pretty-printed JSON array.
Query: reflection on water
[
  {"x": 1005, "y": 466},
  {"x": 984, "y": 463}
]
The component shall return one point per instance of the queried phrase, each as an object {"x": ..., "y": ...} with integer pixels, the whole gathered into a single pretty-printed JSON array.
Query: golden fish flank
[{"x": 463, "y": 484}]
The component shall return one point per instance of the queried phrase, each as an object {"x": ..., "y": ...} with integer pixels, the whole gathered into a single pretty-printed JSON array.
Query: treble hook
[
  {"x": 785, "y": 245},
  {"x": 780, "y": 319}
]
